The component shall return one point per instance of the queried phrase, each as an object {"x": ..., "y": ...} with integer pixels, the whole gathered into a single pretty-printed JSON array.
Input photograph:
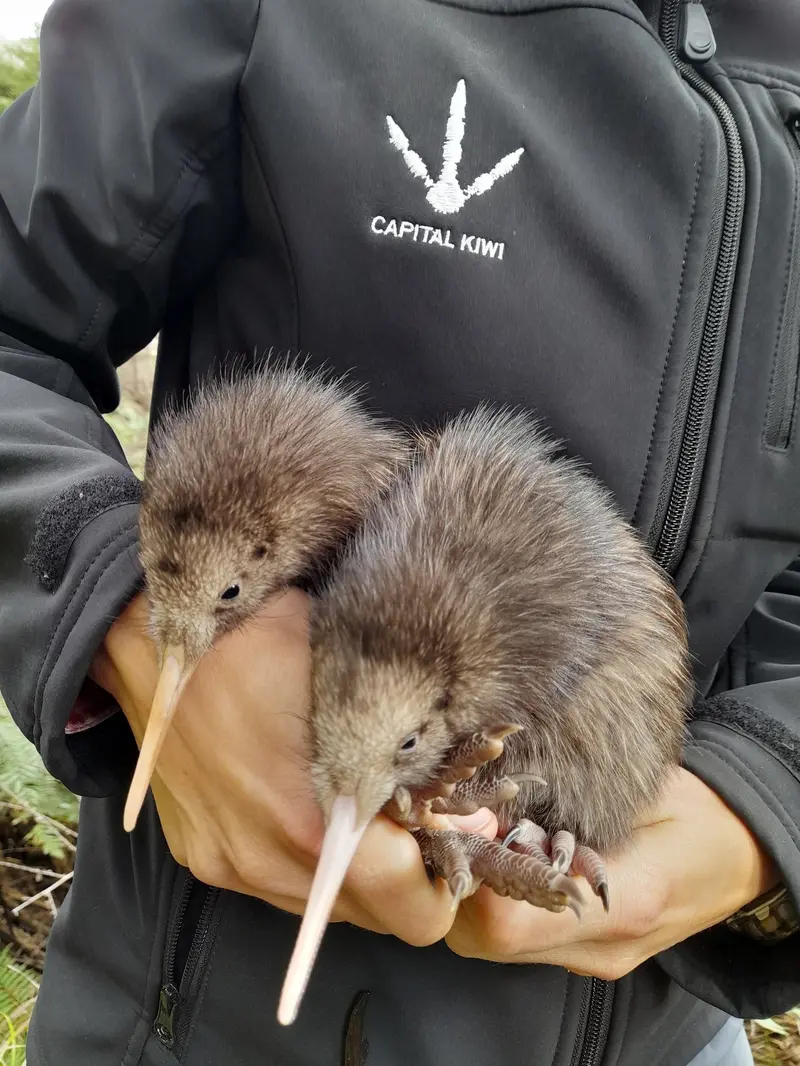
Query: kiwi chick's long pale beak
[
  {"x": 171, "y": 683},
  {"x": 341, "y": 840}
]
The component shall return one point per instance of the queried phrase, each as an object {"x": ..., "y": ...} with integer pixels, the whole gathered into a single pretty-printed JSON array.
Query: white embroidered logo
[{"x": 445, "y": 195}]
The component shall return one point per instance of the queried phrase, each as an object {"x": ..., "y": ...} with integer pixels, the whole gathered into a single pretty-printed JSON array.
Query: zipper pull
[
  {"x": 696, "y": 41},
  {"x": 169, "y": 1000}
]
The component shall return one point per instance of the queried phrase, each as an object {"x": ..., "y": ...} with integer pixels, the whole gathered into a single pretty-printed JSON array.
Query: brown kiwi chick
[
  {"x": 495, "y": 634},
  {"x": 246, "y": 492}
]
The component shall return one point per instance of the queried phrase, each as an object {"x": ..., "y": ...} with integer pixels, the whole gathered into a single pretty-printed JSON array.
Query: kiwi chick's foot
[
  {"x": 466, "y": 860},
  {"x": 453, "y": 790},
  {"x": 565, "y": 855}
]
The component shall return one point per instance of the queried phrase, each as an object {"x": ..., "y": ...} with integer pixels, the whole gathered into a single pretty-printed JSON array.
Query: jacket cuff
[
  {"x": 750, "y": 759},
  {"x": 102, "y": 576}
]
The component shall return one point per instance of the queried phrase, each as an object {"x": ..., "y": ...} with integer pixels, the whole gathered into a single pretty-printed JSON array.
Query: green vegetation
[
  {"x": 18, "y": 988},
  {"x": 30, "y": 796},
  {"x": 19, "y": 69}
]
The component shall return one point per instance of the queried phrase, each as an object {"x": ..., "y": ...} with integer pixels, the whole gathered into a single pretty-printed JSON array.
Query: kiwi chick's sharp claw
[
  {"x": 465, "y": 860},
  {"x": 466, "y": 756},
  {"x": 565, "y": 855},
  {"x": 486, "y": 791}
]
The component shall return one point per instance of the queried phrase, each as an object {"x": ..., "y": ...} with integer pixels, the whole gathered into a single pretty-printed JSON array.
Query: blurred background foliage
[{"x": 19, "y": 68}]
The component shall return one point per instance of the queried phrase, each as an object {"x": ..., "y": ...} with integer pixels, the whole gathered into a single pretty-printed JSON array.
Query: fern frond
[
  {"x": 18, "y": 986},
  {"x": 46, "y": 838},
  {"x": 23, "y": 774}
]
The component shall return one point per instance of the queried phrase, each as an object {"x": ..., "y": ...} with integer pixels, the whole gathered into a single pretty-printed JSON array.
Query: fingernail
[{"x": 473, "y": 823}]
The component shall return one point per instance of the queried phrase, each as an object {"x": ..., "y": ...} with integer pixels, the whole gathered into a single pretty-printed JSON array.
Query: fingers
[
  {"x": 483, "y": 821},
  {"x": 490, "y": 927},
  {"x": 387, "y": 889},
  {"x": 388, "y": 880},
  {"x": 658, "y": 900},
  {"x": 262, "y": 869},
  {"x": 514, "y": 940},
  {"x": 494, "y": 928}
]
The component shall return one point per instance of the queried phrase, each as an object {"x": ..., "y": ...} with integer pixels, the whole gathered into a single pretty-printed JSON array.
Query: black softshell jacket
[{"x": 536, "y": 202}]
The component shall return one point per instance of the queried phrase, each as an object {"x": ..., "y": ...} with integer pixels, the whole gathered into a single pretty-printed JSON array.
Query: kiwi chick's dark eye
[
  {"x": 230, "y": 593},
  {"x": 409, "y": 744}
]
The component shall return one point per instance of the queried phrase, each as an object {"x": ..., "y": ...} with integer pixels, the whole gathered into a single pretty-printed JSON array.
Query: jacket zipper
[
  {"x": 171, "y": 1021},
  {"x": 594, "y": 1022},
  {"x": 688, "y": 460},
  {"x": 781, "y": 408}
]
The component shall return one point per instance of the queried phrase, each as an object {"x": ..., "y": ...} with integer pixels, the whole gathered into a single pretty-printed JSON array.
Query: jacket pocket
[
  {"x": 705, "y": 346},
  {"x": 191, "y": 932},
  {"x": 782, "y": 402}
]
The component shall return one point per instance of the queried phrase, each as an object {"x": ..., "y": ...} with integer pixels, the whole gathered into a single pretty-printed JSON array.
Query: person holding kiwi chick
[{"x": 586, "y": 210}]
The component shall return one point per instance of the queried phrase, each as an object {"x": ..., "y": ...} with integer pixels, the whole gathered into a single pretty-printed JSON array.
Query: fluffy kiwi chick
[
  {"x": 250, "y": 488},
  {"x": 495, "y": 633},
  {"x": 498, "y": 585}
]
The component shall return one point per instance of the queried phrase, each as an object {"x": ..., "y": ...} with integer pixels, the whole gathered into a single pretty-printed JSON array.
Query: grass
[
  {"x": 18, "y": 989},
  {"x": 775, "y": 1042}
]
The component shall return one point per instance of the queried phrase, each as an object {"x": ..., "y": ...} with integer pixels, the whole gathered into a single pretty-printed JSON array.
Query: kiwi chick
[
  {"x": 495, "y": 634},
  {"x": 246, "y": 491}
]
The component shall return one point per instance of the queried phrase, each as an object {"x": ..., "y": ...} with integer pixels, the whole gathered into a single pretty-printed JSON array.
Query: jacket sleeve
[
  {"x": 118, "y": 191},
  {"x": 745, "y": 744}
]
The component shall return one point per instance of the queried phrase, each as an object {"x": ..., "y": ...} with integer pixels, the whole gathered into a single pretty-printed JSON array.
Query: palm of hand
[{"x": 690, "y": 864}]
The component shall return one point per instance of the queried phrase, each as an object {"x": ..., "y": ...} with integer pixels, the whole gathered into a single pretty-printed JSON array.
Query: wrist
[
  {"x": 744, "y": 869},
  {"x": 763, "y": 910},
  {"x": 754, "y": 873},
  {"x": 772, "y": 916}
]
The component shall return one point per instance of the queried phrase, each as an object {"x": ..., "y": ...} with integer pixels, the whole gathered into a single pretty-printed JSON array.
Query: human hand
[
  {"x": 232, "y": 786},
  {"x": 692, "y": 864}
]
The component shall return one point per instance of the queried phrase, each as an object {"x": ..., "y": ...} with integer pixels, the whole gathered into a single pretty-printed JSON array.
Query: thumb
[{"x": 482, "y": 821}]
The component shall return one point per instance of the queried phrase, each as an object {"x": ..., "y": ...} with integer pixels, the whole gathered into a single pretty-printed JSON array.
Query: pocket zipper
[
  {"x": 171, "y": 1020},
  {"x": 782, "y": 404},
  {"x": 670, "y": 534}
]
